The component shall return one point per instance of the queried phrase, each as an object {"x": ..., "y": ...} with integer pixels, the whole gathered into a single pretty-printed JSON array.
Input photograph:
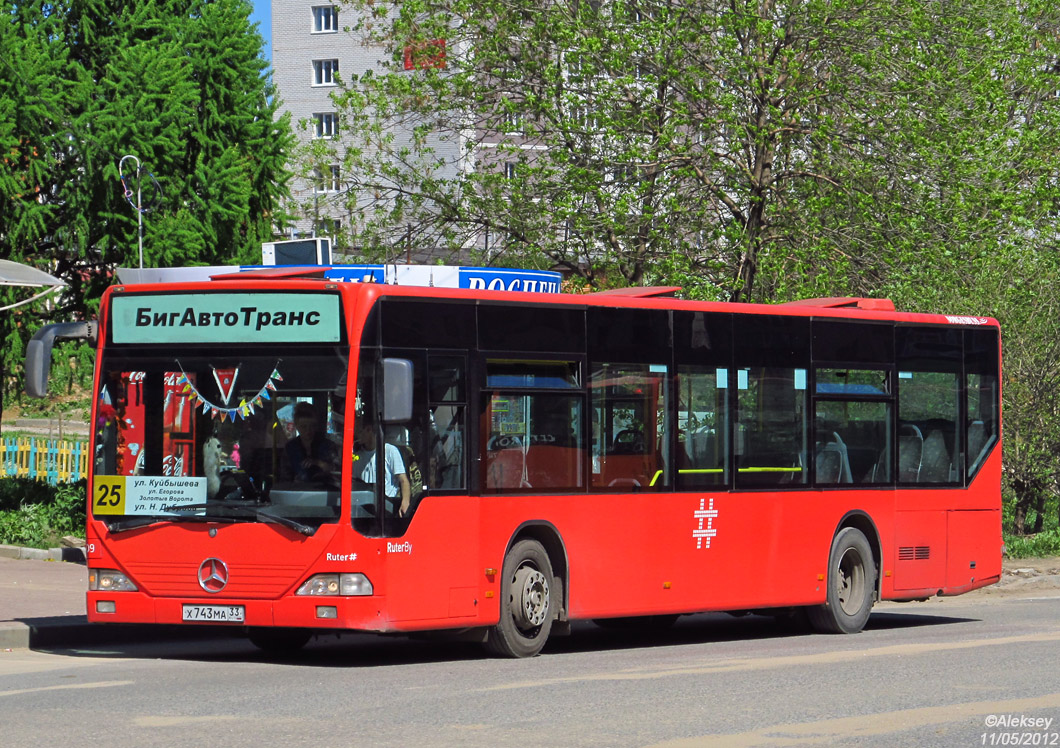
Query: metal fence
[{"x": 51, "y": 460}]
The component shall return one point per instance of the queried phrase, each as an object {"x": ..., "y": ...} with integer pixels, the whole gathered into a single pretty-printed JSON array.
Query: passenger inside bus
[{"x": 396, "y": 482}]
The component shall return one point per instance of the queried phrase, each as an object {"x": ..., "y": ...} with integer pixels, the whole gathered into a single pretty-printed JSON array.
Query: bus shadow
[
  {"x": 715, "y": 628},
  {"x": 357, "y": 650}
]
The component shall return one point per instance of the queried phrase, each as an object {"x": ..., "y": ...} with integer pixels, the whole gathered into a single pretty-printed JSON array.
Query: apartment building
[
  {"x": 309, "y": 50},
  {"x": 312, "y": 55}
]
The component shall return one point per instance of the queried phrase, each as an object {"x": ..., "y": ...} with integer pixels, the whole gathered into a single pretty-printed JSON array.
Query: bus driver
[{"x": 311, "y": 455}]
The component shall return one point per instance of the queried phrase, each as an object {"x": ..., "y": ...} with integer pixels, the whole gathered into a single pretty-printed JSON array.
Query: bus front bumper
[{"x": 317, "y": 612}]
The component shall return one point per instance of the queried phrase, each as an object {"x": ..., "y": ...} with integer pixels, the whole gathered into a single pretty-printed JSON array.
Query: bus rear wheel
[
  {"x": 278, "y": 639},
  {"x": 851, "y": 586},
  {"x": 526, "y": 602}
]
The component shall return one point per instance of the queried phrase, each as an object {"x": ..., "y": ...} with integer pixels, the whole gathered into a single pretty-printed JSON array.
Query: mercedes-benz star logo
[{"x": 213, "y": 575}]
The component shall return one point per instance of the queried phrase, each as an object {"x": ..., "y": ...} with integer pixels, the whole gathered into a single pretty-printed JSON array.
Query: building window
[
  {"x": 327, "y": 227},
  {"x": 327, "y": 180},
  {"x": 325, "y": 125},
  {"x": 582, "y": 116},
  {"x": 325, "y": 19},
  {"x": 325, "y": 72},
  {"x": 513, "y": 122},
  {"x": 509, "y": 170}
]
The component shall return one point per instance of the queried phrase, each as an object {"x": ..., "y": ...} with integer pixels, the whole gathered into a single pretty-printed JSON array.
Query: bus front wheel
[
  {"x": 851, "y": 586},
  {"x": 526, "y": 602}
]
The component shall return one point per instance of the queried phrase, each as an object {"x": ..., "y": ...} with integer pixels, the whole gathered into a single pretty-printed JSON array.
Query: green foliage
[
  {"x": 37, "y": 515},
  {"x": 181, "y": 85},
  {"x": 1033, "y": 546},
  {"x": 15, "y": 492},
  {"x": 750, "y": 150}
]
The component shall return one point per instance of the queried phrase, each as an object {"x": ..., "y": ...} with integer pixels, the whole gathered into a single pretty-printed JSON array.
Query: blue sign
[{"x": 450, "y": 276}]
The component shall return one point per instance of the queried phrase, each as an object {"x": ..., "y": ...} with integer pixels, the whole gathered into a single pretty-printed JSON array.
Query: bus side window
[
  {"x": 929, "y": 400},
  {"x": 447, "y": 405},
  {"x": 771, "y": 417},
  {"x": 982, "y": 404},
  {"x": 929, "y": 363},
  {"x": 703, "y": 426},
  {"x": 631, "y": 414}
]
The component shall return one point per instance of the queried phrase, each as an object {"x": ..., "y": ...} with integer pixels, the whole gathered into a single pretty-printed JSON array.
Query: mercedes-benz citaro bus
[{"x": 289, "y": 455}]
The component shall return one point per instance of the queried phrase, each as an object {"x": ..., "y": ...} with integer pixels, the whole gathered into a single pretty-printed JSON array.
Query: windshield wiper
[
  {"x": 132, "y": 524},
  {"x": 303, "y": 529},
  {"x": 136, "y": 522}
]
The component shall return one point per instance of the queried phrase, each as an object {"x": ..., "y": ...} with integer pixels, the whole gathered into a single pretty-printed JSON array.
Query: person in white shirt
[{"x": 396, "y": 482}]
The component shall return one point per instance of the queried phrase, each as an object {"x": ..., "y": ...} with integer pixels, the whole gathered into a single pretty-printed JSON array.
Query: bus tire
[
  {"x": 278, "y": 639},
  {"x": 851, "y": 586},
  {"x": 526, "y": 602}
]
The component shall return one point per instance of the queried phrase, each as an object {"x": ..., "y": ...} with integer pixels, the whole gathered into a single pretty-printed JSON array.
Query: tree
[
  {"x": 621, "y": 140},
  {"x": 949, "y": 165},
  {"x": 702, "y": 142},
  {"x": 180, "y": 84}
]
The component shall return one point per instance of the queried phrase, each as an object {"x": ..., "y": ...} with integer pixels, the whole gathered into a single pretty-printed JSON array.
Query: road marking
[
  {"x": 97, "y": 684},
  {"x": 771, "y": 662},
  {"x": 166, "y": 721},
  {"x": 828, "y": 731}
]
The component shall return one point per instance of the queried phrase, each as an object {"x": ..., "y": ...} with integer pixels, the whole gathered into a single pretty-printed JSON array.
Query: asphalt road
[{"x": 966, "y": 671}]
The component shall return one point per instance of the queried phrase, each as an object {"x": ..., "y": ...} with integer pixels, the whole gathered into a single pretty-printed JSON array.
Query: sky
[{"x": 262, "y": 15}]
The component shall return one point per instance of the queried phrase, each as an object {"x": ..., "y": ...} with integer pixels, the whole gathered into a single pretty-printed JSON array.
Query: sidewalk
[
  {"x": 52, "y": 428},
  {"x": 42, "y": 604},
  {"x": 38, "y": 594}
]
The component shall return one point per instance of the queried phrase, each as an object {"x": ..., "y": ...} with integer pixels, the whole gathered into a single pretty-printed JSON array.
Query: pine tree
[{"x": 179, "y": 84}]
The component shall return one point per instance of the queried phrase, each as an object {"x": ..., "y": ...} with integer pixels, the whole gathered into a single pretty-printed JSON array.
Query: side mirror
[
  {"x": 397, "y": 390},
  {"x": 39, "y": 351}
]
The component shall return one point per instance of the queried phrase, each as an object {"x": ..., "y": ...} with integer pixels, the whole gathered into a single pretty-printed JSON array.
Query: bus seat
[
  {"x": 910, "y": 453},
  {"x": 833, "y": 462},
  {"x": 628, "y": 442},
  {"x": 936, "y": 467}
]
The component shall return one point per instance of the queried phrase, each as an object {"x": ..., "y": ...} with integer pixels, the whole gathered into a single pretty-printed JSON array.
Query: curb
[
  {"x": 64, "y": 632},
  {"x": 73, "y": 555},
  {"x": 75, "y": 631}
]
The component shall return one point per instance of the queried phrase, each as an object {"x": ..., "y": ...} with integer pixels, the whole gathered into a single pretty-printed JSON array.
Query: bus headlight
[
  {"x": 336, "y": 584},
  {"x": 109, "y": 580}
]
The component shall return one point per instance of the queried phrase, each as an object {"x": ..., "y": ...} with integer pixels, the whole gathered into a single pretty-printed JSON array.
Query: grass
[
  {"x": 37, "y": 515},
  {"x": 1033, "y": 546}
]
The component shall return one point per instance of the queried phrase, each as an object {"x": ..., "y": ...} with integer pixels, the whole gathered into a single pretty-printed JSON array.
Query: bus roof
[{"x": 307, "y": 277}]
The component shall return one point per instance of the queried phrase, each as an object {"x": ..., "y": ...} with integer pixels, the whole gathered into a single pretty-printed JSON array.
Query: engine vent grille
[{"x": 914, "y": 553}]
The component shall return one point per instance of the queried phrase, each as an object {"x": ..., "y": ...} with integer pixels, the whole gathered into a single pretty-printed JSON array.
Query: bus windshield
[{"x": 240, "y": 434}]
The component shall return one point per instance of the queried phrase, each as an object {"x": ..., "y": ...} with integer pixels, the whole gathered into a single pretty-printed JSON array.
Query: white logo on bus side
[
  {"x": 702, "y": 533},
  {"x": 405, "y": 547},
  {"x": 342, "y": 557}
]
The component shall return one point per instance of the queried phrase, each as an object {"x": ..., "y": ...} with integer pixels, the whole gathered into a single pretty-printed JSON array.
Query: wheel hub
[
  {"x": 530, "y": 598},
  {"x": 851, "y": 582}
]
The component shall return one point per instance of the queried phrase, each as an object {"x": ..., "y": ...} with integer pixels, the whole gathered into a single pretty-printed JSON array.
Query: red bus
[{"x": 547, "y": 458}]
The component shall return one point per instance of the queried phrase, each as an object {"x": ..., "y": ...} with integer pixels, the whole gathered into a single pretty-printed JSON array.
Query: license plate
[{"x": 214, "y": 613}]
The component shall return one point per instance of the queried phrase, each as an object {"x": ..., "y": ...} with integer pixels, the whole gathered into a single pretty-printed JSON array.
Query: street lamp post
[{"x": 138, "y": 204}]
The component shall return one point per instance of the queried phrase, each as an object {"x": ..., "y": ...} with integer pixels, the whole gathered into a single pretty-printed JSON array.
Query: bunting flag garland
[
  {"x": 246, "y": 405},
  {"x": 226, "y": 381}
]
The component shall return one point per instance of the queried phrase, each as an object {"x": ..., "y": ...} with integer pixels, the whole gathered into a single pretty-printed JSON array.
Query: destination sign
[{"x": 226, "y": 318}]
